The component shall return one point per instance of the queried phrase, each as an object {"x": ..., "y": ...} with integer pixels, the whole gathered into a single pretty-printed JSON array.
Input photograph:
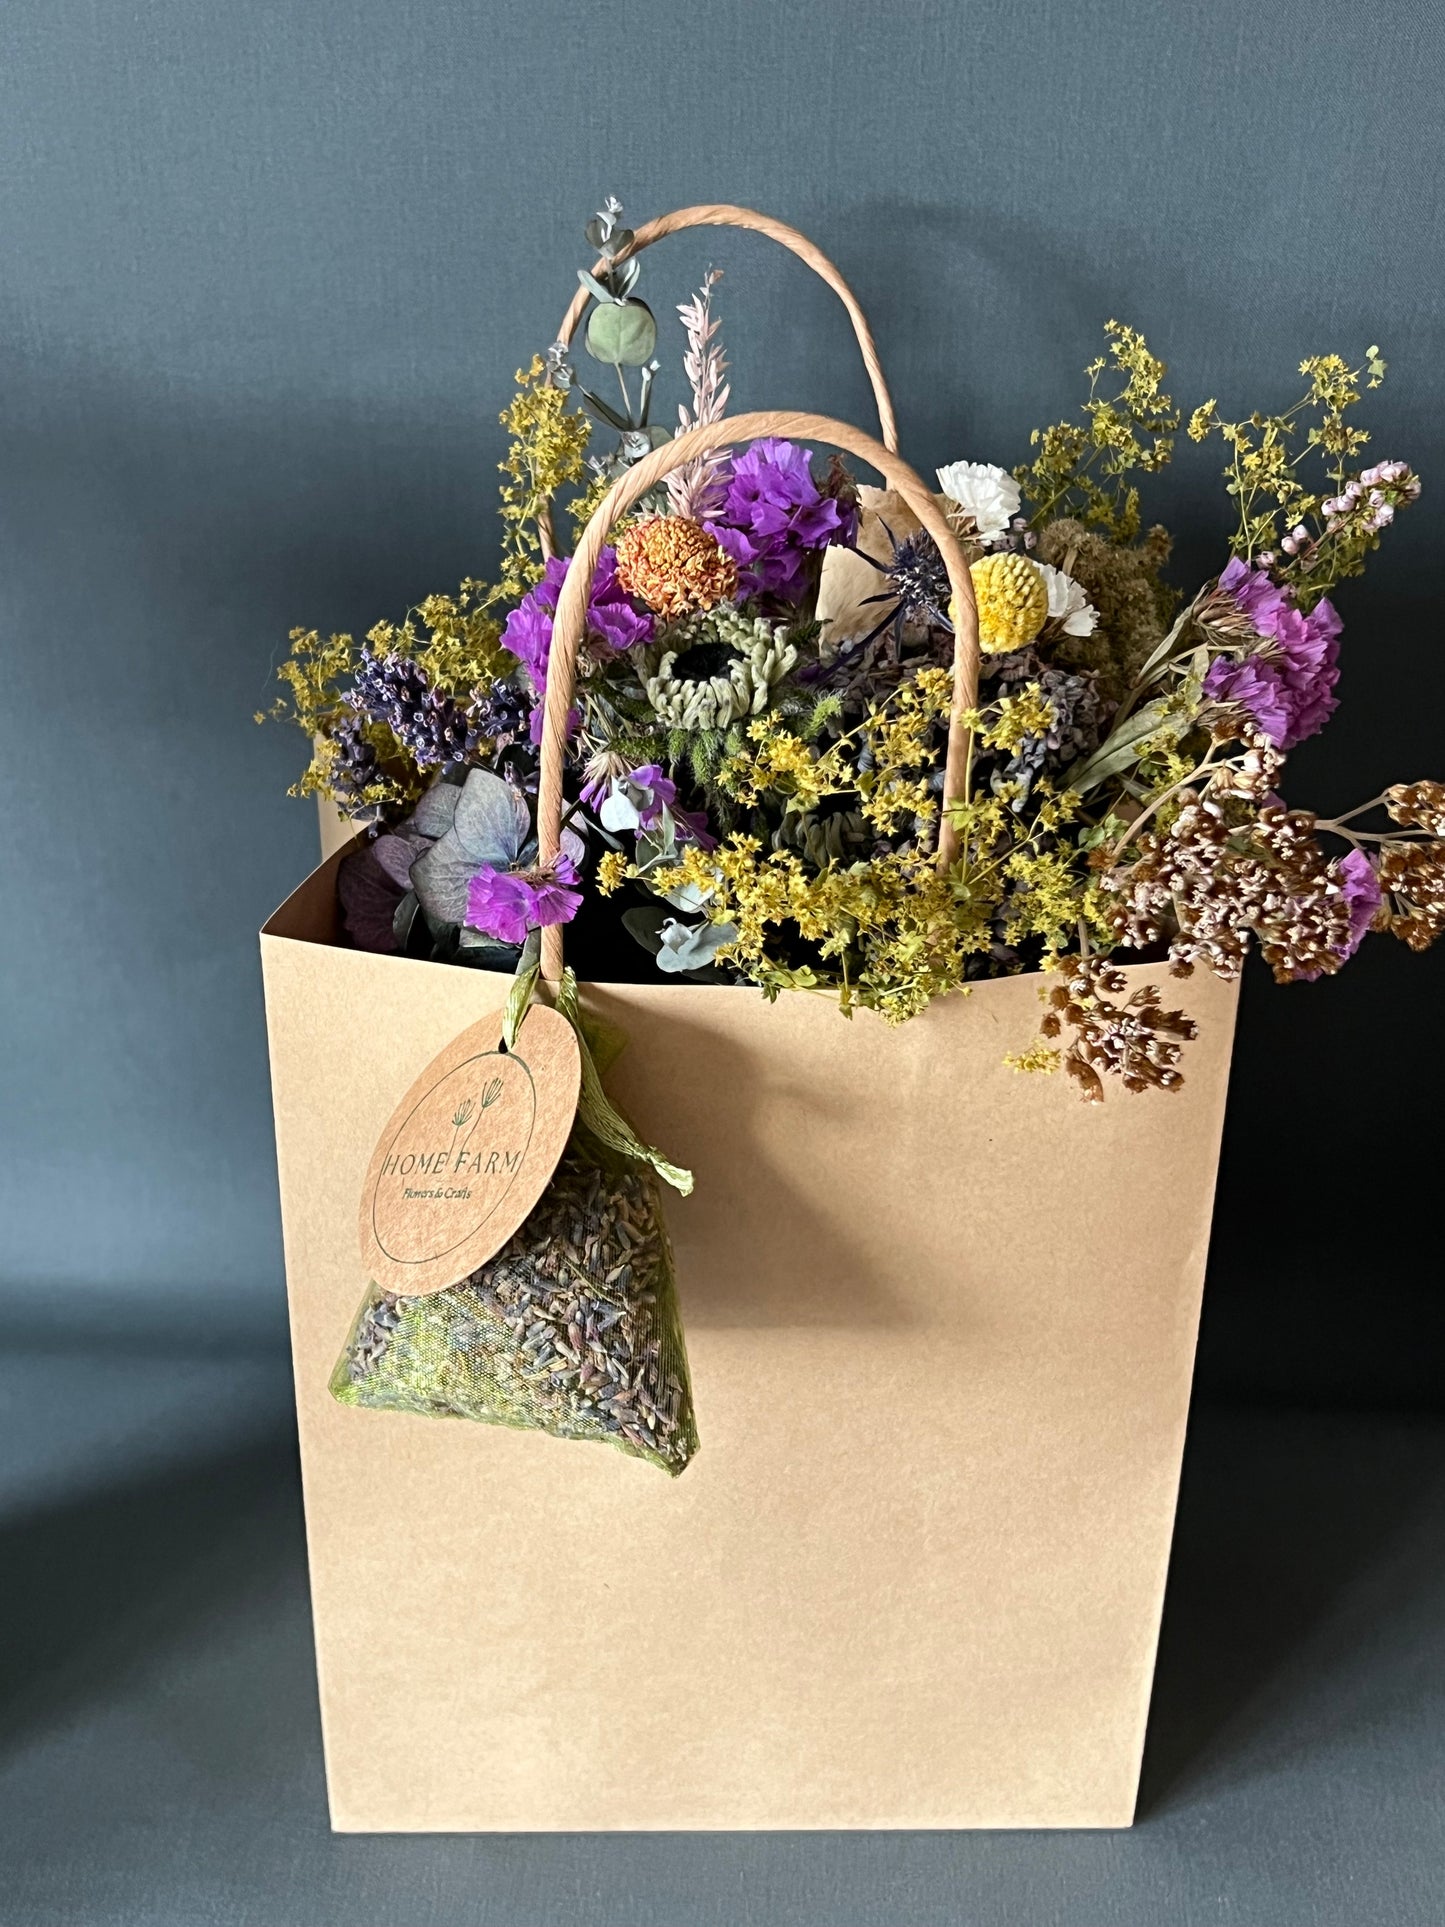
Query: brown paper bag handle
[
  {"x": 718, "y": 214},
  {"x": 570, "y": 621}
]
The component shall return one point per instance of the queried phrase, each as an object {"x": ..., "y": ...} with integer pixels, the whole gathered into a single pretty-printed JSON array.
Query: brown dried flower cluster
[
  {"x": 1137, "y": 1041},
  {"x": 1412, "y": 875},
  {"x": 1418, "y": 806},
  {"x": 1219, "y": 876},
  {"x": 675, "y": 565}
]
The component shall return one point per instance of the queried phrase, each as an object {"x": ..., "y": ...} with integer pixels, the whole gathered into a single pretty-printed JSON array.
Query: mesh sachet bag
[{"x": 571, "y": 1328}]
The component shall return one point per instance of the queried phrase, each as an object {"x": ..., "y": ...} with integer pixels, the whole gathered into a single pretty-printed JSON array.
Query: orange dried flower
[{"x": 675, "y": 565}]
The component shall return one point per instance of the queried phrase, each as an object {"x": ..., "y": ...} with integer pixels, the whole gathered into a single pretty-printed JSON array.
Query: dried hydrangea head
[
  {"x": 675, "y": 565},
  {"x": 1013, "y": 601}
]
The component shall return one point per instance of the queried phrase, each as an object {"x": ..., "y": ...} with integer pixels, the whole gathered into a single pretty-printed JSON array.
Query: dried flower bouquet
[{"x": 755, "y": 780}]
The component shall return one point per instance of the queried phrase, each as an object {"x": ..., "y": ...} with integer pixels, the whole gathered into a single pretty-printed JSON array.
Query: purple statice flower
[
  {"x": 774, "y": 519},
  {"x": 613, "y": 620},
  {"x": 1251, "y": 683},
  {"x": 635, "y": 800},
  {"x": 1287, "y": 685},
  {"x": 1360, "y": 887},
  {"x": 692, "y": 825},
  {"x": 506, "y": 904},
  {"x": 394, "y": 690},
  {"x": 659, "y": 792}
]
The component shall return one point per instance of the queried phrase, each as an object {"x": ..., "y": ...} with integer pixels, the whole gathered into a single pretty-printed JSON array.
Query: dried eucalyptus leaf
[
  {"x": 622, "y": 335},
  {"x": 687, "y": 946},
  {"x": 644, "y": 926},
  {"x": 593, "y": 286},
  {"x": 656, "y": 844},
  {"x": 618, "y": 811}
]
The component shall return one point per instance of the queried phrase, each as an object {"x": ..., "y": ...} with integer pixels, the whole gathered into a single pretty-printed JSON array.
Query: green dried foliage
[
  {"x": 1082, "y": 468},
  {"x": 1126, "y": 586},
  {"x": 548, "y": 447},
  {"x": 1270, "y": 461}
]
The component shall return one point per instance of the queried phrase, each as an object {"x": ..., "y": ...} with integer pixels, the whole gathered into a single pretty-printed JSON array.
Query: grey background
[{"x": 266, "y": 271}]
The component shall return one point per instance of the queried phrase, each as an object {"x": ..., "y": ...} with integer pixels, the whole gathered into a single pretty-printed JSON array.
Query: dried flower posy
[{"x": 749, "y": 798}]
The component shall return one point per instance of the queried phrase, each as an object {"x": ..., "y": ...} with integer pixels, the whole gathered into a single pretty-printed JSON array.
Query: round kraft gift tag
[{"x": 468, "y": 1152}]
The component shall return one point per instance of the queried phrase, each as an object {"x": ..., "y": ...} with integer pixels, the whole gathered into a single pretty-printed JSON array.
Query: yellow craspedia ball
[{"x": 1012, "y": 598}]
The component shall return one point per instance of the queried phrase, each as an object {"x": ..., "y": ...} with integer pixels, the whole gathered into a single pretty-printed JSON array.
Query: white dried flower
[
  {"x": 989, "y": 495},
  {"x": 1067, "y": 602}
]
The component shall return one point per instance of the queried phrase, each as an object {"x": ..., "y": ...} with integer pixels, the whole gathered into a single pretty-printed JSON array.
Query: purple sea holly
[{"x": 1287, "y": 683}]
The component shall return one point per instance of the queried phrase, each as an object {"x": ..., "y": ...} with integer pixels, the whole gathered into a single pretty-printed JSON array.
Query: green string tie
[{"x": 595, "y": 1110}]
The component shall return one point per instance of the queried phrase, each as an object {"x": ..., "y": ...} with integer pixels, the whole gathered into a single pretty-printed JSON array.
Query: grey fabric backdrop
[{"x": 266, "y": 270}]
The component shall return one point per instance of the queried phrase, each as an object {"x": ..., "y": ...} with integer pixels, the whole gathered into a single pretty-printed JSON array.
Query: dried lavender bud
[
  {"x": 432, "y": 726},
  {"x": 571, "y": 1328},
  {"x": 355, "y": 765},
  {"x": 502, "y": 714}
]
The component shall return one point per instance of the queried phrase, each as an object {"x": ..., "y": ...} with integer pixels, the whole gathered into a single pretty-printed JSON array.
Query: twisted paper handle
[
  {"x": 720, "y": 215},
  {"x": 570, "y": 621}
]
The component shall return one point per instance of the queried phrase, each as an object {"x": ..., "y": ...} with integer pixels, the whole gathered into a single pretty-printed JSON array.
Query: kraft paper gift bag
[
  {"x": 940, "y": 1321},
  {"x": 914, "y": 1577}
]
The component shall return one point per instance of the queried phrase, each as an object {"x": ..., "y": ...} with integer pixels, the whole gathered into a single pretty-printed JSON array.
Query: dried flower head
[
  {"x": 1418, "y": 805},
  {"x": 982, "y": 497},
  {"x": 391, "y": 689},
  {"x": 1125, "y": 587},
  {"x": 1412, "y": 877},
  {"x": 1137, "y": 1041},
  {"x": 1219, "y": 875},
  {"x": 675, "y": 565},
  {"x": 1013, "y": 601}
]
